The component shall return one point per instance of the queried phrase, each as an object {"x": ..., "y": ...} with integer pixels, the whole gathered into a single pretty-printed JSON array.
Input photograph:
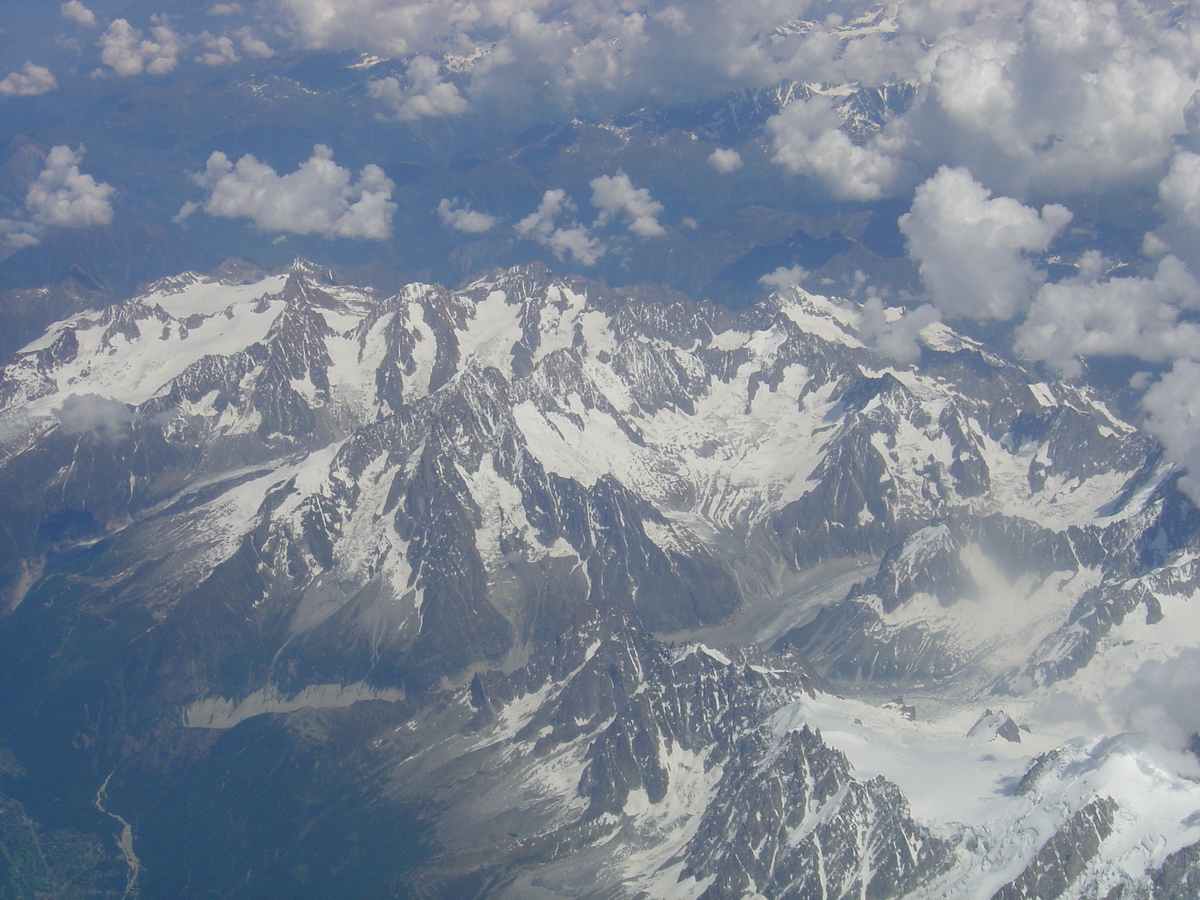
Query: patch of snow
[
  {"x": 133, "y": 371},
  {"x": 208, "y": 298},
  {"x": 820, "y": 316},
  {"x": 1042, "y": 394},
  {"x": 490, "y": 334}
]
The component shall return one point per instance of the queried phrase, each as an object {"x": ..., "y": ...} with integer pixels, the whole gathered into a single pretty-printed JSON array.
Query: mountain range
[{"x": 541, "y": 588}]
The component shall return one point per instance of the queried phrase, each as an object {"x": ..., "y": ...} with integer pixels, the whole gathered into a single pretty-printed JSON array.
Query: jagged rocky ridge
[{"x": 298, "y": 506}]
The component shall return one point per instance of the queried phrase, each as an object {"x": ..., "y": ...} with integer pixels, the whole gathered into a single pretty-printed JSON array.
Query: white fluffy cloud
[
  {"x": 65, "y": 197},
  {"x": 398, "y": 27},
  {"x": 1173, "y": 407},
  {"x": 253, "y": 45},
  {"x": 806, "y": 139},
  {"x": 1121, "y": 74},
  {"x": 320, "y": 197},
  {"x": 82, "y": 413},
  {"x": 784, "y": 277},
  {"x": 463, "y": 218},
  {"x": 725, "y": 161},
  {"x": 76, "y": 12},
  {"x": 574, "y": 239},
  {"x": 1179, "y": 204},
  {"x": 16, "y": 234},
  {"x": 218, "y": 50},
  {"x": 1179, "y": 191},
  {"x": 29, "y": 82},
  {"x": 972, "y": 249},
  {"x": 895, "y": 333},
  {"x": 426, "y": 95},
  {"x": 225, "y": 9},
  {"x": 125, "y": 51},
  {"x": 1091, "y": 315},
  {"x": 615, "y": 195}
]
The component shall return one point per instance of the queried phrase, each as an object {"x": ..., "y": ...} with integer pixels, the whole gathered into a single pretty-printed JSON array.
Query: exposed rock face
[
  {"x": 796, "y": 825},
  {"x": 1062, "y": 859},
  {"x": 678, "y": 757},
  {"x": 992, "y": 725},
  {"x": 1179, "y": 875}
]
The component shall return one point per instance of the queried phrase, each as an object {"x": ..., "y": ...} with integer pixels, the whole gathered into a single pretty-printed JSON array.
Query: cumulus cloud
[
  {"x": 253, "y": 45},
  {"x": 76, "y": 12},
  {"x": 541, "y": 226},
  {"x": 225, "y": 9},
  {"x": 1179, "y": 204},
  {"x": 29, "y": 82},
  {"x": 725, "y": 161},
  {"x": 784, "y": 277},
  {"x": 425, "y": 96},
  {"x": 1090, "y": 315},
  {"x": 64, "y": 196},
  {"x": 1173, "y": 416},
  {"x": 16, "y": 234},
  {"x": 125, "y": 51},
  {"x": 1122, "y": 74},
  {"x": 1179, "y": 191},
  {"x": 218, "y": 50},
  {"x": 972, "y": 249},
  {"x": 463, "y": 218},
  {"x": 600, "y": 55},
  {"x": 893, "y": 332},
  {"x": 615, "y": 195},
  {"x": 83, "y": 413},
  {"x": 320, "y": 197},
  {"x": 806, "y": 139}
]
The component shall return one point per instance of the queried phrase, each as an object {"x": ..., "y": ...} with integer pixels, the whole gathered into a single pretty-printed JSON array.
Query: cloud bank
[
  {"x": 784, "y": 277},
  {"x": 62, "y": 197},
  {"x": 1160, "y": 699},
  {"x": 218, "y": 50},
  {"x": 1122, "y": 74}
]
